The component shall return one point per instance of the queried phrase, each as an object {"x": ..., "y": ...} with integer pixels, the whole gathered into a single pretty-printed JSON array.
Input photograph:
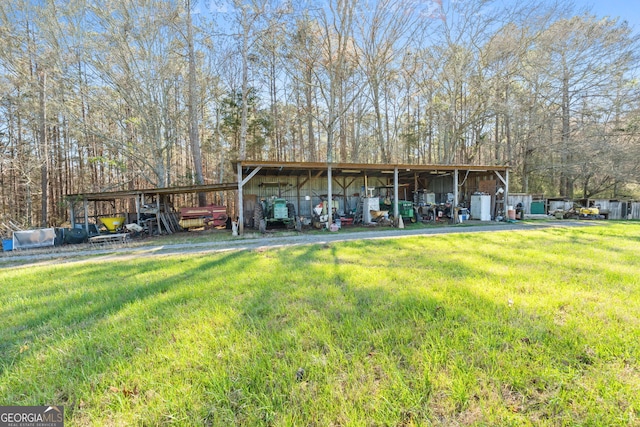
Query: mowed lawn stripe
[{"x": 517, "y": 328}]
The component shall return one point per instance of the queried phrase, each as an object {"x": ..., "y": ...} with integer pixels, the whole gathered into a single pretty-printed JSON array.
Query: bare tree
[
  {"x": 384, "y": 34},
  {"x": 584, "y": 58},
  {"x": 141, "y": 65},
  {"x": 192, "y": 106},
  {"x": 303, "y": 55},
  {"x": 29, "y": 55},
  {"x": 338, "y": 59},
  {"x": 99, "y": 95}
]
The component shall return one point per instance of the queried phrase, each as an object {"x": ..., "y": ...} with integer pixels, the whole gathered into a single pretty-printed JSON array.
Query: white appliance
[
  {"x": 369, "y": 204},
  {"x": 481, "y": 207}
]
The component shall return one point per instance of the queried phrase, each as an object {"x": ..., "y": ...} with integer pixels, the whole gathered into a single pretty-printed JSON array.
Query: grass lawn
[{"x": 504, "y": 328}]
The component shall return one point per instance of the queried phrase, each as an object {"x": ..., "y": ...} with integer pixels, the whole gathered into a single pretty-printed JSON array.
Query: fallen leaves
[{"x": 126, "y": 392}]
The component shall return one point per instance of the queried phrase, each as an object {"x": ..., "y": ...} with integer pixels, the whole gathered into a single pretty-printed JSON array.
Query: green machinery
[
  {"x": 274, "y": 210},
  {"x": 405, "y": 208}
]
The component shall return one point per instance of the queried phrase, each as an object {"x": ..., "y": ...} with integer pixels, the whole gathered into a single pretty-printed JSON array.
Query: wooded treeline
[{"x": 101, "y": 95}]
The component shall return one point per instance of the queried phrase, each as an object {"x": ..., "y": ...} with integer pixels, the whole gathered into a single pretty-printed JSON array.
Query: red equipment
[{"x": 206, "y": 216}]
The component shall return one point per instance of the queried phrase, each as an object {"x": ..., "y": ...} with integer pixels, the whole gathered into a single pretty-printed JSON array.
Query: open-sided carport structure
[
  {"x": 304, "y": 183},
  {"x": 138, "y": 196}
]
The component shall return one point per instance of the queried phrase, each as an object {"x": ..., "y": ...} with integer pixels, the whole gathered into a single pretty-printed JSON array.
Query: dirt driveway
[{"x": 123, "y": 252}]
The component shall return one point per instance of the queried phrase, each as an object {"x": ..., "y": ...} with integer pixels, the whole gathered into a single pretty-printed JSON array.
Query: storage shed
[{"x": 307, "y": 184}]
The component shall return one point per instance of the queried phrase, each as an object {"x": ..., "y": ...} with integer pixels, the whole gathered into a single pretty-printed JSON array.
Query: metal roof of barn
[
  {"x": 351, "y": 169},
  {"x": 274, "y": 168},
  {"x": 123, "y": 194}
]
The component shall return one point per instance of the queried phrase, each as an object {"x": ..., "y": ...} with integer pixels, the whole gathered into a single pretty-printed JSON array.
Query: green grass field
[{"x": 507, "y": 328}]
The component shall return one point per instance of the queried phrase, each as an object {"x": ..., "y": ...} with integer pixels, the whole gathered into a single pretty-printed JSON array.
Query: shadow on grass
[
  {"x": 314, "y": 337},
  {"x": 490, "y": 341},
  {"x": 64, "y": 303}
]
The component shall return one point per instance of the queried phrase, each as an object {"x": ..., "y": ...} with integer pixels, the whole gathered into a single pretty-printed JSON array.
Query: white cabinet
[
  {"x": 481, "y": 207},
  {"x": 369, "y": 204}
]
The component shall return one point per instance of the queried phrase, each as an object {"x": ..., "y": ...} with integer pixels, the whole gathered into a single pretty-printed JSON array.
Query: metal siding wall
[
  {"x": 441, "y": 186},
  {"x": 525, "y": 199},
  {"x": 559, "y": 205},
  {"x": 615, "y": 210},
  {"x": 314, "y": 187}
]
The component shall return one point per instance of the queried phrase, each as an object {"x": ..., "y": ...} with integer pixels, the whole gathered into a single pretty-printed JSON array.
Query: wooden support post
[
  {"x": 396, "y": 211},
  {"x": 454, "y": 208},
  {"x": 138, "y": 197},
  {"x": 158, "y": 213},
  {"x": 72, "y": 213},
  {"x": 330, "y": 194},
  {"x": 310, "y": 196},
  {"x": 85, "y": 204},
  {"x": 240, "y": 202},
  {"x": 297, "y": 198},
  {"x": 506, "y": 188}
]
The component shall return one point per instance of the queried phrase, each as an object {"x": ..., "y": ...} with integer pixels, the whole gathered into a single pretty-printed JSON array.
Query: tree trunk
[
  {"x": 566, "y": 185},
  {"x": 308, "y": 93},
  {"x": 44, "y": 149},
  {"x": 375, "y": 91},
  {"x": 194, "y": 140}
]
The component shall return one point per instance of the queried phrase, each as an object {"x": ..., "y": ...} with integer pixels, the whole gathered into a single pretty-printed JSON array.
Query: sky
[{"x": 628, "y": 10}]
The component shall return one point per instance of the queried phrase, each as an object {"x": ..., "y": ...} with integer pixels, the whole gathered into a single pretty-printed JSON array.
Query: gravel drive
[{"x": 122, "y": 252}]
